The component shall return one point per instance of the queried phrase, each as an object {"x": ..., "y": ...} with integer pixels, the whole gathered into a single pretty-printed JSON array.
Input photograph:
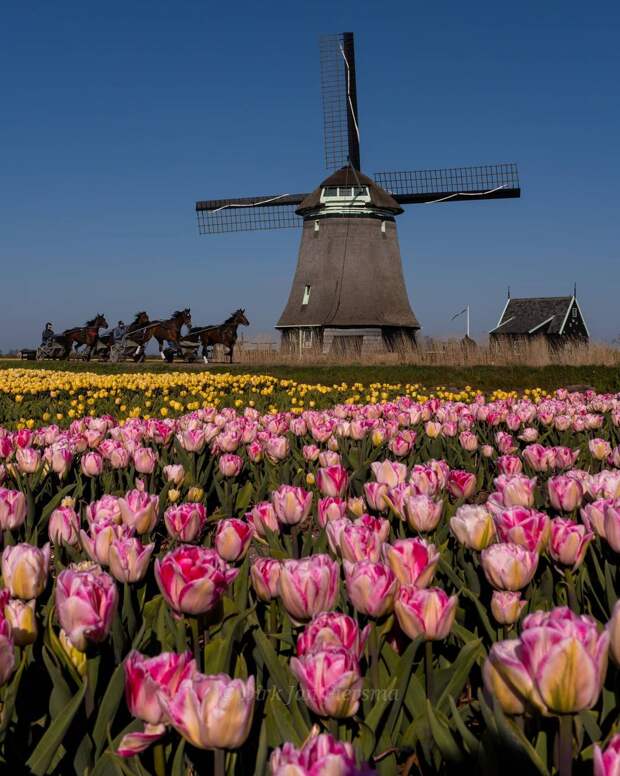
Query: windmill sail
[
  {"x": 452, "y": 184},
  {"x": 246, "y": 214},
  {"x": 339, "y": 98}
]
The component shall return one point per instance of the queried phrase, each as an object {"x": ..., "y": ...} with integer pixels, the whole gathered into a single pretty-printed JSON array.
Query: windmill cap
[{"x": 347, "y": 176}]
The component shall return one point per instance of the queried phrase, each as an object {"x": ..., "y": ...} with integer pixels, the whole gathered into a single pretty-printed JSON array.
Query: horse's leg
[
  {"x": 205, "y": 343},
  {"x": 160, "y": 342},
  {"x": 231, "y": 347}
]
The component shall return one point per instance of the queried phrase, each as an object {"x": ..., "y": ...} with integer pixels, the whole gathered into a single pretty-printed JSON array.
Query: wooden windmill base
[{"x": 346, "y": 343}]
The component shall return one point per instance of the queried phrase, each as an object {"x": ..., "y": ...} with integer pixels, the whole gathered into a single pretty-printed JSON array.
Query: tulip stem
[
  {"x": 219, "y": 763},
  {"x": 565, "y": 745},
  {"x": 373, "y": 646},
  {"x": 428, "y": 668},
  {"x": 570, "y": 590},
  {"x": 195, "y": 638},
  {"x": 159, "y": 760}
]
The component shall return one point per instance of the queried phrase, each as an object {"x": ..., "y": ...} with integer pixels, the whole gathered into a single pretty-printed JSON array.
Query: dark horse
[
  {"x": 83, "y": 335},
  {"x": 224, "y": 334},
  {"x": 137, "y": 334},
  {"x": 170, "y": 330}
]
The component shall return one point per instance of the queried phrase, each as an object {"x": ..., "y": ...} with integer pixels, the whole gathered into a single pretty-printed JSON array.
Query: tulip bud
[
  {"x": 185, "y": 522},
  {"x": 25, "y": 569},
  {"x": 330, "y": 682},
  {"x": 129, "y": 559},
  {"x": 195, "y": 494},
  {"x": 371, "y": 587},
  {"x": 413, "y": 561},
  {"x": 319, "y": 754},
  {"x": 569, "y": 542},
  {"x": 308, "y": 586},
  {"x": 232, "y": 539},
  {"x": 473, "y": 526},
  {"x": 508, "y": 566},
  {"x": 212, "y": 712},
  {"x": 174, "y": 473},
  {"x": 291, "y": 505},
  {"x": 13, "y": 509},
  {"x": 607, "y": 762},
  {"x": 76, "y": 656},
  {"x": 428, "y": 613},
  {"x": 23, "y": 622},
  {"x": 613, "y": 629},
  {"x": 64, "y": 526},
  {"x": 332, "y": 630},
  {"x": 506, "y": 607},
  {"x": 139, "y": 511},
  {"x": 86, "y": 598},
  {"x": 264, "y": 574}
]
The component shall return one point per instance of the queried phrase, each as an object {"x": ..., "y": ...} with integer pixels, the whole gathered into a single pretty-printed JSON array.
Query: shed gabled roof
[{"x": 543, "y": 315}]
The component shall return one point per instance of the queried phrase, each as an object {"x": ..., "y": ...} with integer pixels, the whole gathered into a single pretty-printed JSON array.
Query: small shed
[{"x": 556, "y": 319}]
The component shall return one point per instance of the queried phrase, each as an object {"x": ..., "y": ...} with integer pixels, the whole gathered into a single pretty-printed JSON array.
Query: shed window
[{"x": 306, "y": 297}]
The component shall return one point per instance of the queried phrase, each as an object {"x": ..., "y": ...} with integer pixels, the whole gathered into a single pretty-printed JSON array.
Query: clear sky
[{"x": 115, "y": 117}]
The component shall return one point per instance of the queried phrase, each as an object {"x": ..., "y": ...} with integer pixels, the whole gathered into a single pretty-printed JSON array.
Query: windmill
[{"x": 348, "y": 289}]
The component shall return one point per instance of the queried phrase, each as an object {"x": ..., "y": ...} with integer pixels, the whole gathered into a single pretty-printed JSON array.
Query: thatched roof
[
  {"x": 347, "y": 176},
  {"x": 538, "y": 315}
]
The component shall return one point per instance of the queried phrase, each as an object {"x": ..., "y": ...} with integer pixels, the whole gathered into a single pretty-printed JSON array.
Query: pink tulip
[
  {"x": 255, "y": 451},
  {"x": 106, "y": 510},
  {"x": 144, "y": 460},
  {"x": 371, "y": 587},
  {"x": 506, "y": 606},
  {"x": 334, "y": 531},
  {"x": 310, "y": 452},
  {"x": 129, "y": 559},
  {"x": 428, "y": 613},
  {"x": 400, "y": 444},
  {"x": 612, "y": 525},
  {"x": 509, "y": 566},
  {"x": 389, "y": 473},
  {"x": 291, "y": 505},
  {"x": 564, "y": 457},
  {"x": 540, "y": 458},
  {"x": 193, "y": 579},
  {"x": 91, "y": 464},
  {"x": 378, "y": 525},
  {"x": 230, "y": 465},
  {"x": 331, "y": 509},
  {"x": 86, "y": 599},
  {"x": 525, "y": 527},
  {"x": 468, "y": 441},
  {"x": 359, "y": 542},
  {"x": 174, "y": 473},
  {"x": 330, "y": 682},
  {"x": 329, "y": 458},
  {"x": 263, "y": 518},
  {"x": 461, "y": 484},
  {"x": 423, "y": 512},
  {"x": 613, "y": 629},
  {"x": 565, "y": 493},
  {"x": 606, "y": 762},
  {"x": 265, "y": 574},
  {"x": 509, "y": 464},
  {"x": 593, "y": 515},
  {"x": 376, "y": 493},
  {"x": 429, "y": 478},
  {"x": 277, "y": 448},
  {"x": 332, "y": 481},
  {"x": 473, "y": 526},
  {"x": 7, "y": 648},
  {"x": 557, "y": 666},
  {"x": 232, "y": 539},
  {"x": 308, "y": 586},
  {"x": 60, "y": 458},
  {"x": 185, "y": 522},
  {"x": 413, "y": 561},
  {"x": 25, "y": 569},
  {"x": 569, "y": 542},
  {"x": 13, "y": 509},
  {"x": 147, "y": 678},
  {"x": 119, "y": 457},
  {"x": 139, "y": 510},
  {"x": 28, "y": 460},
  {"x": 64, "y": 526},
  {"x": 192, "y": 439},
  {"x": 320, "y": 754},
  {"x": 600, "y": 449},
  {"x": 332, "y": 630},
  {"x": 516, "y": 490},
  {"x": 212, "y": 712},
  {"x": 97, "y": 542}
]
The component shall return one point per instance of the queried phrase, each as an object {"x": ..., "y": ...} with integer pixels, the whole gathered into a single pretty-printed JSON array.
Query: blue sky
[{"x": 116, "y": 117}]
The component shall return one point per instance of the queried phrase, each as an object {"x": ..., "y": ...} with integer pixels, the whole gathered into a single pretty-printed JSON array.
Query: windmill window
[
  {"x": 306, "y": 297},
  {"x": 330, "y": 191},
  {"x": 574, "y": 312}
]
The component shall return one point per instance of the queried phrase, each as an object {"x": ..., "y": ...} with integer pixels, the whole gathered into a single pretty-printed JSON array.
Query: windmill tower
[{"x": 348, "y": 289}]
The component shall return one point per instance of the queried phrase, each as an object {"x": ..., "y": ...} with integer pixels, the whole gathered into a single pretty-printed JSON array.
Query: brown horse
[
  {"x": 83, "y": 335},
  {"x": 170, "y": 329},
  {"x": 224, "y": 334}
]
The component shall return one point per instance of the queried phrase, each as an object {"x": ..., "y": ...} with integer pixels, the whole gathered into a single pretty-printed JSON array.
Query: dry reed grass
[{"x": 451, "y": 353}]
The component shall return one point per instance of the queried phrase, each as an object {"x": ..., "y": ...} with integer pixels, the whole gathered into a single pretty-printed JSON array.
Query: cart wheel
[{"x": 40, "y": 354}]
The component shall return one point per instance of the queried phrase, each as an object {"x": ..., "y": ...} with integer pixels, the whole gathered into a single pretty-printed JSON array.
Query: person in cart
[
  {"x": 47, "y": 337},
  {"x": 119, "y": 331}
]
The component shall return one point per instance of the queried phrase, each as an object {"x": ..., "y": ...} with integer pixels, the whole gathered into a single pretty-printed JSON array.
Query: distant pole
[{"x": 467, "y": 321}]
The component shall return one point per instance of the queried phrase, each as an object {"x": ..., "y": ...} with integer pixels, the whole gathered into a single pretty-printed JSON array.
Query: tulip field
[{"x": 240, "y": 574}]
